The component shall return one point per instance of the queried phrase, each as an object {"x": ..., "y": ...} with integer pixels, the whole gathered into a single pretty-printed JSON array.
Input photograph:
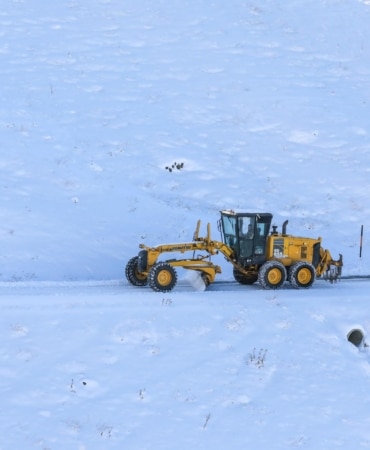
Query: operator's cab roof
[{"x": 231, "y": 212}]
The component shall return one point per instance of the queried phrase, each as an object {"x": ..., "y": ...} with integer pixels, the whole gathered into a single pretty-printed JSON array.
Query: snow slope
[{"x": 266, "y": 104}]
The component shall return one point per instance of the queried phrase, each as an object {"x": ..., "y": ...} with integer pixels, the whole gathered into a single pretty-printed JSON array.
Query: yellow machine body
[{"x": 255, "y": 253}]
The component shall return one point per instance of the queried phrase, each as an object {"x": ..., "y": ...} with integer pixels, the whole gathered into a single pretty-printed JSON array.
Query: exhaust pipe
[{"x": 283, "y": 231}]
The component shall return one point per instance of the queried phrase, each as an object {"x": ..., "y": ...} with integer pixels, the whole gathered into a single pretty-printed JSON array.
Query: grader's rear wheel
[
  {"x": 162, "y": 277},
  {"x": 272, "y": 275},
  {"x": 301, "y": 275},
  {"x": 244, "y": 279},
  {"x": 133, "y": 275}
]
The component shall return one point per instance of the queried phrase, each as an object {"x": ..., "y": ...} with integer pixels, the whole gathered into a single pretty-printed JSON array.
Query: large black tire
[
  {"x": 272, "y": 275},
  {"x": 133, "y": 275},
  {"x": 162, "y": 277},
  {"x": 301, "y": 275},
  {"x": 142, "y": 261},
  {"x": 244, "y": 279}
]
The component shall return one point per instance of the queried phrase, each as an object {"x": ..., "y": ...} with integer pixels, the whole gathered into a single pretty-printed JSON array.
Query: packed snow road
[{"x": 185, "y": 285}]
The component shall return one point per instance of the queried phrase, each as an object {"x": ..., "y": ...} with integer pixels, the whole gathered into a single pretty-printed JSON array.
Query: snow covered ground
[
  {"x": 106, "y": 366},
  {"x": 265, "y": 106}
]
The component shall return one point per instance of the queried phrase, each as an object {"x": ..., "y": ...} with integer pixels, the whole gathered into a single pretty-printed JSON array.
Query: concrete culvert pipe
[{"x": 356, "y": 337}]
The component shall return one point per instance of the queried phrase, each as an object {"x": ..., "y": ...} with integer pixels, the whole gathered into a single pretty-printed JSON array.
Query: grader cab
[{"x": 256, "y": 252}]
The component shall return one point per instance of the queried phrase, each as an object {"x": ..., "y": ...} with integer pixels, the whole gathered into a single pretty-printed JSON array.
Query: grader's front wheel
[
  {"x": 133, "y": 275},
  {"x": 162, "y": 277}
]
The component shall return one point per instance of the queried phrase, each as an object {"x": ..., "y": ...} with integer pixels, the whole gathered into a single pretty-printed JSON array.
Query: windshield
[{"x": 229, "y": 230}]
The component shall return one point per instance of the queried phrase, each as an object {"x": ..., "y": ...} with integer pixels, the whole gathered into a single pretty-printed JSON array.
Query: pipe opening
[{"x": 356, "y": 337}]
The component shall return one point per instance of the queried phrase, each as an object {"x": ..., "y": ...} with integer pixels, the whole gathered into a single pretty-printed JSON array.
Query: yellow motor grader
[{"x": 256, "y": 253}]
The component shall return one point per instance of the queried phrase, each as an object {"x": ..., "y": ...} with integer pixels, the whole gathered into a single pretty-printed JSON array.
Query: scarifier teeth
[
  {"x": 333, "y": 274},
  {"x": 334, "y": 270}
]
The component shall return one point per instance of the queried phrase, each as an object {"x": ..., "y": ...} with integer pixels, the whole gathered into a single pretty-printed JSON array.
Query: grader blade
[{"x": 334, "y": 270}]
